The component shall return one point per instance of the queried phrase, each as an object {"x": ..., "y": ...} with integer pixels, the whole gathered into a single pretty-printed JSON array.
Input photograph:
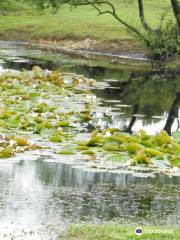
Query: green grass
[
  {"x": 79, "y": 23},
  {"x": 118, "y": 232}
]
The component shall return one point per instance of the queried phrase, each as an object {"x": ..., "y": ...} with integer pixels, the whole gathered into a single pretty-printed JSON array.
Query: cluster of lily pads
[
  {"x": 140, "y": 148},
  {"x": 10, "y": 144},
  {"x": 58, "y": 108},
  {"x": 41, "y": 102}
]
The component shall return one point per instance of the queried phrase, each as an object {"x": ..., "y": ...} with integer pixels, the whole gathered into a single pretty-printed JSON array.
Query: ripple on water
[{"x": 37, "y": 194}]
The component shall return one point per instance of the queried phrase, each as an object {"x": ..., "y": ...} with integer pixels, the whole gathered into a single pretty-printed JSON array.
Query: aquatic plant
[
  {"x": 11, "y": 144},
  {"x": 140, "y": 148},
  {"x": 57, "y": 107},
  {"x": 33, "y": 102}
]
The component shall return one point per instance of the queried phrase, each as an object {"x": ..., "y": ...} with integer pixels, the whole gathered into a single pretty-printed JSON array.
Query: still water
[
  {"x": 40, "y": 197},
  {"x": 136, "y": 95}
]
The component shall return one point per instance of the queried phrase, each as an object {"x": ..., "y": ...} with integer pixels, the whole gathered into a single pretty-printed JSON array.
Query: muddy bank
[
  {"x": 93, "y": 48},
  {"x": 115, "y": 52},
  {"x": 121, "y": 52},
  {"x": 127, "y": 49}
]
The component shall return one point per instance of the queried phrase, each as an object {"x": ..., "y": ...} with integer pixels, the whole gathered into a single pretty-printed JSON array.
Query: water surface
[
  {"x": 136, "y": 95},
  {"x": 41, "y": 196}
]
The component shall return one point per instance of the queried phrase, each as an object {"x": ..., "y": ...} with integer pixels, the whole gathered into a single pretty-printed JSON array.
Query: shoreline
[
  {"x": 118, "y": 55},
  {"x": 93, "y": 47},
  {"x": 88, "y": 49}
]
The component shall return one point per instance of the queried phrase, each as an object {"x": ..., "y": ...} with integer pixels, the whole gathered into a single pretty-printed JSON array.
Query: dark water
[
  {"x": 137, "y": 96},
  {"x": 39, "y": 198}
]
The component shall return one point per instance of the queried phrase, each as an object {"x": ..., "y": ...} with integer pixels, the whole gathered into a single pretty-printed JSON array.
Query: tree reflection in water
[
  {"x": 173, "y": 114},
  {"x": 154, "y": 99}
]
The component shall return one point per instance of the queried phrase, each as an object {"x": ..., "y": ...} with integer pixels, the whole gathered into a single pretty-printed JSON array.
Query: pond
[
  {"x": 39, "y": 199},
  {"x": 40, "y": 195},
  {"x": 137, "y": 96}
]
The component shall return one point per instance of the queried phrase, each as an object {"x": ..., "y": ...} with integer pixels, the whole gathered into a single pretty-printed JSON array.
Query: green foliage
[
  {"x": 7, "y": 6},
  {"x": 135, "y": 149},
  {"x": 164, "y": 42},
  {"x": 176, "y": 135},
  {"x": 11, "y": 144},
  {"x": 67, "y": 150},
  {"x": 28, "y": 107},
  {"x": 43, "y": 4},
  {"x": 43, "y": 103}
]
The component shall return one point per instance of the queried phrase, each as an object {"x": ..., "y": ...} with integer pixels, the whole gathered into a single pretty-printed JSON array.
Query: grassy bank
[
  {"x": 22, "y": 22},
  {"x": 119, "y": 232}
]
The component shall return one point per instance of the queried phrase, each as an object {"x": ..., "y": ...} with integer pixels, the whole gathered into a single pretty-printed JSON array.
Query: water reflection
[
  {"x": 133, "y": 119},
  {"x": 140, "y": 97},
  {"x": 149, "y": 102},
  {"x": 44, "y": 197},
  {"x": 34, "y": 194},
  {"x": 173, "y": 114}
]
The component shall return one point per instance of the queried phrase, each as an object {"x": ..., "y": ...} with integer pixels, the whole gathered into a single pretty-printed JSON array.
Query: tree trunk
[
  {"x": 141, "y": 16},
  {"x": 176, "y": 9}
]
